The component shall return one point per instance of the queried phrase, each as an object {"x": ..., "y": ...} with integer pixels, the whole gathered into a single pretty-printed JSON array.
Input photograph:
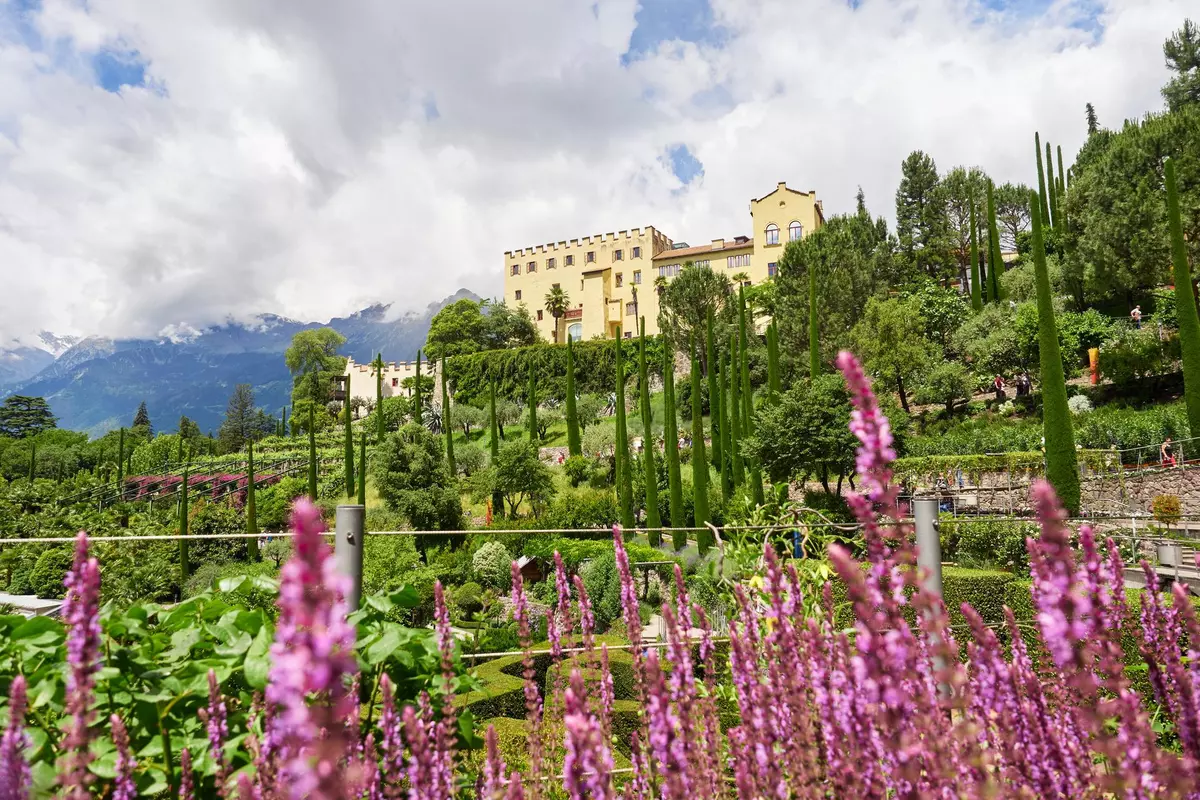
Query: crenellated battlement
[{"x": 588, "y": 241}]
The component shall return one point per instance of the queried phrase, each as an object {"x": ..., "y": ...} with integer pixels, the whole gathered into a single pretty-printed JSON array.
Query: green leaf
[
  {"x": 39, "y": 631},
  {"x": 467, "y": 740},
  {"x": 381, "y": 650},
  {"x": 235, "y": 645},
  {"x": 406, "y": 597},
  {"x": 238, "y": 583},
  {"x": 182, "y": 642},
  {"x": 258, "y": 659}
]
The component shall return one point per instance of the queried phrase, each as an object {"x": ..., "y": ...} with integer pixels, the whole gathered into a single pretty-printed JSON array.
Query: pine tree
[
  {"x": 1185, "y": 302},
  {"x": 349, "y": 443},
  {"x": 624, "y": 478},
  {"x": 671, "y": 441},
  {"x": 497, "y": 496},
  {"x": 714, "y": 392},
  {"x": 735, "y": 412},
  {"x": 976, "y": 289},
  {"x": 1045, "y": 205},
  {"x": 699, "y": 465},
  {"x": 185, "y": 568},
  {"x": 1062, "y": 468},
  {"x": 1052, "y": 188},
  {"x": 417, "y": 414},
  {"x": 650, "y": 478},
  {"x": 142, "y": 417},
  {"x": 251, "y": 505},
  {"x": 574, "y": 445},
  {"x": 1093, "y": 122},
  {"x": 446, "y": 426},
  {"x": 995, "y": 259},
  {"x": 312, "y": 456},
  {"x": 379, "y": 421},
  {"x": 531, "y": 395},
  {"x": 362, "y": 468},
  {"x": 814, "y": 330}
]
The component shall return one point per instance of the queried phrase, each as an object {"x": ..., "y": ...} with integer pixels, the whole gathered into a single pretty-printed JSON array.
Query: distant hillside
[{"x": 96, "y": 384}]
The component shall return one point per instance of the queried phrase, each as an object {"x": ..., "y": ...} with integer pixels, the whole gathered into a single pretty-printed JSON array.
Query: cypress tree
[
  {"x": 774, "y": 382},
  {"x": 574, "y": 445},
  {"x": 726, "y": 468},
  {"x": 251, "y": 505},
  {"x": 32, "y": 462},
  {"x": 185, "y": 568},
  {"x": 418, "y": 416},
  {"x": 748, "y": 397},
  {"x": 121, "y": 462},
  {"x": 671, "y": 442},
  {"x": 624, "y": 478},
  {"x": 1062, "y": 468},
  {"x": 1062, "y": 175},
  {"x": 714, "y": 392},
  {"x": 995, "y": 259},
  {"x": 312, "y": 456},
  {"x": 1185, "y": 303},
  {"x": 532, "y": 400},
  {"x": 453, "y": 467},
  {"x": 650, "y": 477},
  {"x": 1044, "y": 198},
  {"x": 1052, "y": 188},
  {"x": 735, "y": 413},
  {"x": 814, "y": 330},
  {"x": 497, "y": 496},
  {"x": 362, "y": 468},
  {"x": 699, "y": 466},
  {"x": 379, "y": 422},
  {"x": 349, "y": 443},
  {"x": 976, "y": 289},
  {"x": 180, "y": 455}
]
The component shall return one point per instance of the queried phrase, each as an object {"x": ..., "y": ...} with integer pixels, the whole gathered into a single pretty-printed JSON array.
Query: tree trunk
[
  {"x": 902, "y": 393},
  {"x": 824, "y": 474}
]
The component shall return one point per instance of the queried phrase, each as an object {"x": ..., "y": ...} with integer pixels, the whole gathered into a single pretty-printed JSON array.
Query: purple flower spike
[
  {"x": 81, "y": 611},
  {"x": 491, "y": 784},
  {"x": 587, "y": 767},
  {"x": 218, "y": 731},
  {"x": 14, "y": 771},
  {"x": 123, "y": 785},
  {"x": 313, "y": 657},
  {"x": 186, "y": 790}
]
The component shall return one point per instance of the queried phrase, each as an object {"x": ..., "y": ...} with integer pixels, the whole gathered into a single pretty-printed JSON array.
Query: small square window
[
  {"x": 569, "y": 261},
  {"x": 628, "y": 335},
  {"x": 630, "y": 309},
  {"x": 637, "y": 252},
  {"x": 516, "y": 269},
  {"x": 772, "y": 267},
  {"x": 539, "y": 315},
  {"x": 637, "y": 276},
  {"x": 395, "y": 382},
  {"x": 550, "y": 263},
  {"x": 591, "y": 256},
  {"x": 518, "y": 295},
  {"x": 531, "y": 266},
  {"x": 618, "y": 255},
  {"x": 620, "y": 279}
]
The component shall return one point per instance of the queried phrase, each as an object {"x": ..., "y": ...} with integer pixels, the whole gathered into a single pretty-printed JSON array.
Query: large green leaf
[
  {"x": 258, "y": 659},
  {"x": 39, "y": 631}
]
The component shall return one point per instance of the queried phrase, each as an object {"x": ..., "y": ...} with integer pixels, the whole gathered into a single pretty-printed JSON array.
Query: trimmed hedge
[
  {"x": 513, "y": 740},
  {"x": 924, "y": 468},
  {"x": 985, "y": 590}
]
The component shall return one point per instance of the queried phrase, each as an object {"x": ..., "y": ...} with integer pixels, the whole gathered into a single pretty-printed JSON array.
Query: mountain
[
  {"x": 96, "y": 384},
  {"x": 22, "y": 360}
]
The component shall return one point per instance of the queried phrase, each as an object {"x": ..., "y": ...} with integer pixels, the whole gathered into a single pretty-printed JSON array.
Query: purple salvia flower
[
  {"x": 313, "y": 656},
  {"x": 563, "y": 611},
  {"x": 218, "y": 731},
  {"x": 424, "y": 765},
  {"x": 246, "y": 788},
  {"x": 606, "y": 695},
  {"x": 392, "y": 742},
  {"x": 123, "y": 786},
  {"x": 515, "y": 791},
  {"x": 587, "y": 618},
  {"x": 186, "y": 789},
  {"x": 491, "y": 782},
  {"x": 533, "y": 697},
  {"x": 446, "y": 738},
  {"x": 629, "y": 599},
  {"x": 15, "y": 778},
  {"x": 587, "y": 766},
  {"x": 372, "y": 788},
  {"x": 81, "y": 611}
]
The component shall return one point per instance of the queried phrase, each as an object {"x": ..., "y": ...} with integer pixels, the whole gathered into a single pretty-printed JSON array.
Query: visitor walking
[
  {"x": 1165, "y": 457},
  {"x": 1136, "y": 314},
  {"x": 998, "y": 386}
]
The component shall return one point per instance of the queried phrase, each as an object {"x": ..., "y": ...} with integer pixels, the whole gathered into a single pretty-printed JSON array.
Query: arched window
[
  {"x": 772, "y": 234},
  {"x": 795, "y": 231},
  {"x": 575, "y": 331}
]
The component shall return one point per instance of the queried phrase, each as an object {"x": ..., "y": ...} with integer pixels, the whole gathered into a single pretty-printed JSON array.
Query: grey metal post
[
  {"x": 348, "y": 549},
  {"x": 929, "y": 545}
]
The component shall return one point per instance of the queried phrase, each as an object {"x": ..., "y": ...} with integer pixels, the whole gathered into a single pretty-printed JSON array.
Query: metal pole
[
  {"x": 348, "y": 549},
  {"x": 929, "y": 545}
]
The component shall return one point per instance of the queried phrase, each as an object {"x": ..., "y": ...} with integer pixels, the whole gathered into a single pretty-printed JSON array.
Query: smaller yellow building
[
  {"x": 610, "y": 280},
  {"x": 362, "y": 378}
]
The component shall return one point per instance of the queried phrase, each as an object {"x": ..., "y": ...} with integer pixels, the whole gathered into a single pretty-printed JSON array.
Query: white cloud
[{"x": 286, "y": 157}]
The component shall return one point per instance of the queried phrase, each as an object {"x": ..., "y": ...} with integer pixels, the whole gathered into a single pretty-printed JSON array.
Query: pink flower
[
  {"x": 81, "y": 611},
  {"x": 186, "y": 789},
  {"x": 218, "y": 731},
  {"x": 123, "y": 785},
  {"x": 15, "y": 777}
]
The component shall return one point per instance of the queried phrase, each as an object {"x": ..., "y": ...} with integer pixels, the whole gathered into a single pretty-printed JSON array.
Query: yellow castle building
[{"x": 610, "y": 280}]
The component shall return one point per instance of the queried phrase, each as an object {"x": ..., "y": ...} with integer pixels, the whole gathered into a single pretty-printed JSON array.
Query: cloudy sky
[{"x": 167, "y": 163}]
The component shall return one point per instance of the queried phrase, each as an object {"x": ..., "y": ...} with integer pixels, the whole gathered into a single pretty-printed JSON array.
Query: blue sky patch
[
  {"x": 670, "y": 20},
  {"x": 115, "y": 69},
  {"x": 685, "y": 165}
]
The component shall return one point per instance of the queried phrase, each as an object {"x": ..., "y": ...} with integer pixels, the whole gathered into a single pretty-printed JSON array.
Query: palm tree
[
  {"x": 660, "y": 284},
  {"x": 741, "y": 277},
  {"x": 557, "y": 304}
]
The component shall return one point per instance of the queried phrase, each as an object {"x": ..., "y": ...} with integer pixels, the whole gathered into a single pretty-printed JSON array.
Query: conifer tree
[
  {"x": 446, "y": 426},
  {"x": 735, "y": 412},
  {"x": 497, "y": 496},
  {"x": 699, "y": 466},
  {"x": 976, "y": 289},
  {"x": 379, "y": 421},
  {"x": 32, "y": 462},
  {"x": 185, "y": 568},
  {"x": 671, "y": 438},
  {"x": 1052, "y": 188},
  {"x": 1062, "y": 176},
  {"x": 814, "y": 328},
  {"x": 1044, "y": 198},
  {"x": 531, "y": 399},
  {"x": 418, "y": 414},
  {"x": 1185, "y": 302},
  {"x": 755, "y": 475},
  {"x": 624, "y": 476},
  {"x": 650, "y": 477},
  {"x": 714, "y": 393},
  {"x": 121, "y": 462},
  {"x": 774, "y": 381},
  {"x": 726, "y": 467},
  {"x": 574, "y": 444},
  {"x": 349, "y": 444},
  {"x": 1062, "y": 468},
  {"x": 362, "y": 468},
  {"x": 995, "y": 259},
  {"x": 251, "y": 504},
  {"x": 312, "y": 456},
  {"x": 142, "y": 417}
]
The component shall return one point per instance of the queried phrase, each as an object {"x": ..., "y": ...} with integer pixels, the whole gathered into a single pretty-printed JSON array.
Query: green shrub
[
  {"x": 492, "y": 564},
  {"x": 469, "y": 597},
  {"x": 985, "y": 590},
  {"x": 469, "y": 458},
  {"x": 603, "y": 584},
  {"x": 995, "y": 543},
  {"x": 578, "y": 470},
  {"x": 1135, "y": 354},
  {"x": 583, "y": 509},
  {"x": 46, "y": 577}
]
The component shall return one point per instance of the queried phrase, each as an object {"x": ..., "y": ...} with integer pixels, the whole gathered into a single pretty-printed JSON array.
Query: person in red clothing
[{"x": 1165, "y": 456}]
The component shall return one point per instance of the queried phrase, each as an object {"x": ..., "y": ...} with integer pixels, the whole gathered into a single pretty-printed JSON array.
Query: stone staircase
[{"x": 1176, "y": 564}]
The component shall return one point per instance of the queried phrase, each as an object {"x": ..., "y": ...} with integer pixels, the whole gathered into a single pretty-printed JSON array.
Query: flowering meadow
[{"x": 887, "y": 709}]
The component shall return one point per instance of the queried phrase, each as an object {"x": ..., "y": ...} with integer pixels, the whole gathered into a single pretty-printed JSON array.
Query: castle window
[
  {"x": 795, "y": 231},
  {"x": 518, "y": 295},
  {"x": 569, "y": 261},
  {"x": 772, "y": 234},
  {"x": 670, "y": 270},
  {"x": 637, "y": 252},
  {"x": 618, "y": 255},
  {"x": 620, "y": 279},
  {"x": 550, "y": 263},
  {"x": 531, "y": 266},
  {"x": 630, "y": 309},
  {"x": 591, "y": 257},
  {"x": 516, "y": 269},
  {"x": 395, "y": 382},
  {"x": 539, "y": 315},
  {"x": 772, "y": 269},
  {"x": 637, "y": 276}
]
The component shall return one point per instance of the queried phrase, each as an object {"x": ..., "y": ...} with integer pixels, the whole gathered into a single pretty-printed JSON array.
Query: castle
[{"x": 362, "y": 378}]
